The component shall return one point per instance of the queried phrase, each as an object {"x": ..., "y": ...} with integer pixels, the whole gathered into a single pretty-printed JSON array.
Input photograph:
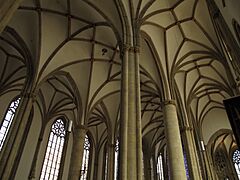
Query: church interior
[{"x": 119, "y": 89}]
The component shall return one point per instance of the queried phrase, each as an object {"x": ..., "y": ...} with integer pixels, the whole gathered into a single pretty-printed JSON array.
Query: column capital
[
  {"x": 137, "y": 49},
  {"x": 82, "y": 127},
  {"x": 186, "y": 128},
  {"x": 169, "y": 101},
  {"x": 126, "y": 47},
  {"x": 111, "y": 145},
  {"x": 30, "y": 95}
]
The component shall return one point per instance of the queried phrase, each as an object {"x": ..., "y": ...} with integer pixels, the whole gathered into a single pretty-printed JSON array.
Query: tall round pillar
[
  {"x": 77, "y": 153},
  {"x": 174, "y": 145},
  {"x": 130, "y": 122}
]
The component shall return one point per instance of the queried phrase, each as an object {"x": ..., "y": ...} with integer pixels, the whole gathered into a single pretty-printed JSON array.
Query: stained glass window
[
  {"x": 5, "y": 126},
  {"x": 236, "y": 162},
  {"x": 52, "y": 159},
  {"x": 106, "y": 164},
  {"x": 186, "y": 164},
  {"x": 160, "y": 167},
  {"x": 116, "y": 160},
  {"x": 85, "y": 161}
]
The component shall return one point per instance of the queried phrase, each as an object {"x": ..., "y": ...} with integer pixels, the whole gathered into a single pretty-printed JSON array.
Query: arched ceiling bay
[
  {"x": 189, "y": 55},
  {"x": 83, "y": 38}
]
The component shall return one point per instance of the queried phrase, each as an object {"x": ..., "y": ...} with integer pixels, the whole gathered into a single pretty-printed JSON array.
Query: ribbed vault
[{"x": 76, "y": 46}]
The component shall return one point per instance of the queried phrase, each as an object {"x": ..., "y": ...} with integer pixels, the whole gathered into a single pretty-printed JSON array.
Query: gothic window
[
  {"x": 185, "y": 164},
  {"x": 116, "y": 160},
  {"x": 220, "y": 164},
  {"x": 236, "y": 162},
  {"x": 85, "y": 160},
  {"x": 160, "y": 167},
  {"x": 106, "y": 164},
  {"x": 54, "y": 150},
  {"x": 5, "y": 126}
]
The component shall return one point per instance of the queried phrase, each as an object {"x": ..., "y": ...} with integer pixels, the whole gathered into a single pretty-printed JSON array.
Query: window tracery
[
  {"x": 52, "y": 159},
  {"x": 236, "y": 162},
  {"x": 160, "y": 167},
  {"x": 85, "y": 161},
  {"x": 116, "y": 160},
  {"x": 6, "y": 124}
]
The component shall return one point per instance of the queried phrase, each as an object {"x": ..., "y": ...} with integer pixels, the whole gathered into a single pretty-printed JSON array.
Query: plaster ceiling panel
[
  {"x": 211, "y": 73},
  {"x": 86, "y": 33},
  {"x": 54, "y": 32},
  {"x": 31, "y": 3},
  {"x": 146, "y": 117},
  {"x": 217, "y": 97},
  {"x": 115, "y": 71},
  {"x": 82, "y": 10},
  {"x": 204, "y": 61},
  {"x": 193, "y": 32},
  {"x": 186, "y": 66},
  {"x": 8, "y": 49},
  {"x": 113, "y": 104},
  {"x": 47, "y": 92},
  {"x": 189, "y": 51},
  {"x": 220, "y": 68},
  {"x": 184, "y": 9},
  {"x": 202, "y": 103},
  {"x": 228, "y": 142},
  {"x": 98, "y": 77},
  {"x": 76, "y": 25},
  {"x": 181, "y": 82},
  {"x": 106, "y": 90},
  {"x": 106, "y": 35},
  {"x": 174, "y": 40},
  {"x": 102, "y": 53},
  {"x": 215, "y": 120},
  {"x": 26, "y": 25},
  {"x": 55, "y": 5},
  {"x": 193, "y": 104},
  {"x": 110, "y": 10},
  {"x": 148, "y": 62},
  {"x": 163, "y": 19},
  {"x": 203, "y": 18},
  {"x": 80, "y": 73},
  {"x": 71, "y": 52},
  {"x": 157, "y": 5},
  {"x": 157, "y": 39},
  {"x": 192, "y": 78}
]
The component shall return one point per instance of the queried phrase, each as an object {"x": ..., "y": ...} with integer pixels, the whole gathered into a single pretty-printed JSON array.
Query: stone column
[
  {"x": 130, "y": 123},
  {"x": 13, "y": 147},
  {"x": 110, "y": 161},
  {"x": 210, "y": 172},
  {"x": 7, "y": 9},
  {"x": 147, "y": 166},
  {"x": 77, "y": 152},
  {"x": 190, "y": 148},
  {"x": 32, "y": 174},
  {"x": 174, "y": 145}
]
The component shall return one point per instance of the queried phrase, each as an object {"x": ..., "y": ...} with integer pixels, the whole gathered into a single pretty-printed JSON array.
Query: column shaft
[
  {"x": 110, "y": 162},
  {"x": 77, "y": 153},
  {"x": 130, "y": 125},
  {"x": 193, "y": 165},
  {"x": 174, "y": 145}
]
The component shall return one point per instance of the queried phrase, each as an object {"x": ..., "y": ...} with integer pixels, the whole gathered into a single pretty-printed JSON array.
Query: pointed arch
[
  {"x": 8, "y": 119},
  {"x": 54, "y": 151}
]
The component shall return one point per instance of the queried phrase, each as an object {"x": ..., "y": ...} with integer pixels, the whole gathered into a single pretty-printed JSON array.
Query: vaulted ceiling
[{"x": 74, "y": 47}]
